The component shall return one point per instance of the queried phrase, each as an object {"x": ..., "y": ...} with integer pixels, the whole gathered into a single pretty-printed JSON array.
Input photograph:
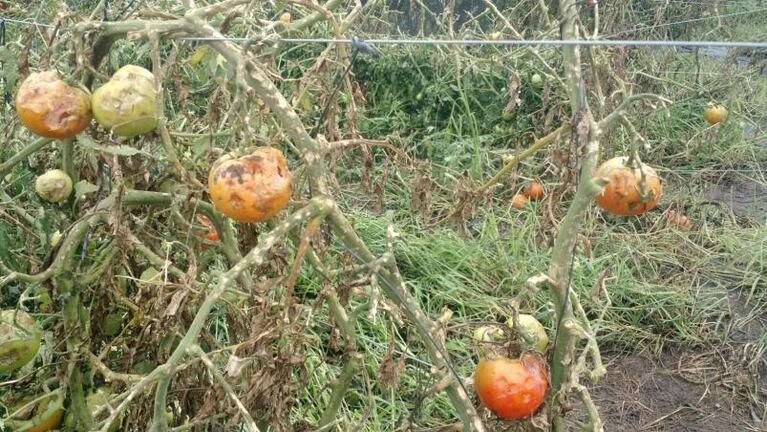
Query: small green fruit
[
  {"x": 534, "y": 328},
  {"x": 54, "y": 186},
  {"x": 19, "y": 339},
  {"x": 126, "y": 104},
  {"x": 487, "y": 334},
  {"x": 43, "y": 416},
  {"x": 536, "y": 80}
]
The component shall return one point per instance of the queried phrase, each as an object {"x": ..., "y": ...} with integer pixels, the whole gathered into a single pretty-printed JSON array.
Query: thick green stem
[
  {"x": 587, "y": 132},
  {"x": 18, "y": 157},
  {"x": 67, "y": 158},
  {"x": 397, "y": 291},
  {"x": 339, "y": 389}
]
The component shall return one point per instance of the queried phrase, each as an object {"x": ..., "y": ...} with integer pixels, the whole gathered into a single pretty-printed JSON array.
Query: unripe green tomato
[
  {"x": 487, "y": 334},
  {"x": 19, "y": 339},
  {"x": 126, "y": 104},
  {"x": 43, "y": 416},
  {"x": 534, "y": 328},
  {"x": 54, "y": 186},
  {"x": 536, "y": 80}
]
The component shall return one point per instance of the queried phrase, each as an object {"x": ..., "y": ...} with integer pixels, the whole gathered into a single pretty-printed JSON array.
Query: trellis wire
[{"x": 510, "y": 42}]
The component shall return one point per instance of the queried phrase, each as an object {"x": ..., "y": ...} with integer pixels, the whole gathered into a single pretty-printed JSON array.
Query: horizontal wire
[
  {"x": 509, "y": 42},
  {"x": 688, "y": 21},
  {"x": 15, "y": 21}
]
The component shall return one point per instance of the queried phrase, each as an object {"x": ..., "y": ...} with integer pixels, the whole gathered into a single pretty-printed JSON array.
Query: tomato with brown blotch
[
  {"x": 512, "y": 388},
  {"x": 678, "y": 219},
  {"x": 623, "y": 194},
  {"x": 251, "y": 188},
  {"x": 51, "y": 108},
  {"x": 533, "y": 191}
]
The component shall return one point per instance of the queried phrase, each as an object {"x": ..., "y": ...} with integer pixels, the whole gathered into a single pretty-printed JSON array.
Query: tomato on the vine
[
  {"x": 50, "y": 107},
  {"x": 512, "y": 388},
  {"x": 533, "y": 327},
  {"x": 126, "y": 104},
  {"x": 252, "y": 188},
  {"x": 45, "y": 415},
  {"x": 624, "y": 195}
]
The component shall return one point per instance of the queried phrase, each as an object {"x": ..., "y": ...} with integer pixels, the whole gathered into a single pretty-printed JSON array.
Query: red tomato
[
  {"x": 212, "y": 233},
  {"x": 511, "y": 388}
]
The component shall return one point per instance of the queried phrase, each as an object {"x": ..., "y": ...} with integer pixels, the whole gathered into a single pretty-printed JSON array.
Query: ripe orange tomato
[
  {"x": 212, "y": 233},
  {"x": 511, "y": 388},
  {"x": 50, "y": 107},
  {"x": 518, "y": 201},
  {"x": 251, "y": 188},
  {"x": 533, "y": 191},
  {"x": 623, "y": 193},
  {"x": 714, "y": 113},
  {"x": 678, "y": 219}
]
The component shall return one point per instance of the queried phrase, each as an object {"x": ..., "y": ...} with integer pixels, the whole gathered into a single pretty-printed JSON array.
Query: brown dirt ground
[
  {"x": 722, "y": 387},
  {"x": 643, "y": 393}
]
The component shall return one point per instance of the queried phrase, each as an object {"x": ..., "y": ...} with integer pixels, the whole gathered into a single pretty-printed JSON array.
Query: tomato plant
[
  {"x": 511, "y": 388},
  {"x": 126, "y": 103},
  {"x": 50, "y": 107},
  {"x": 715, "y": 113},
  {"x": 251, "y": 188},
  {"x": 54, "y": 186},
  {"x": 624, "y": 193}
]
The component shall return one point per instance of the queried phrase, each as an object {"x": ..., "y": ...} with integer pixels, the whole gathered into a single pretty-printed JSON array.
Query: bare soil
[
  {"x": 642, "y": 393},
  {"x": 722, "y": 387}
]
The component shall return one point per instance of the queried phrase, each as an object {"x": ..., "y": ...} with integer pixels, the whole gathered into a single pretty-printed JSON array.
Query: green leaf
[
  {"x": 84, "y": 187},
  {"x": 118, "y": 150},
  {"x": 148, "y": 274}
]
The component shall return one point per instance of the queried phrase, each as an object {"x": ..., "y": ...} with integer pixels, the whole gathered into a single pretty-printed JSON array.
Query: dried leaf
[
  {"x": 514, "y": 85},
  {"x": 175, "y": 302},
  {"x": 235, "y": 365}
]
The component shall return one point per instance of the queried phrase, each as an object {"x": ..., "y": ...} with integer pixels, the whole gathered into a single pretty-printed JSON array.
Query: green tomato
[
  {"x": 534, "y": 328},
  {"x": 536, "y": 80},
  {"x": 45, "y": 415},
  {"x": 19, "y": 339},
  {"x": 126, "y": 104},
  {"x": 54, "y": 186}
]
